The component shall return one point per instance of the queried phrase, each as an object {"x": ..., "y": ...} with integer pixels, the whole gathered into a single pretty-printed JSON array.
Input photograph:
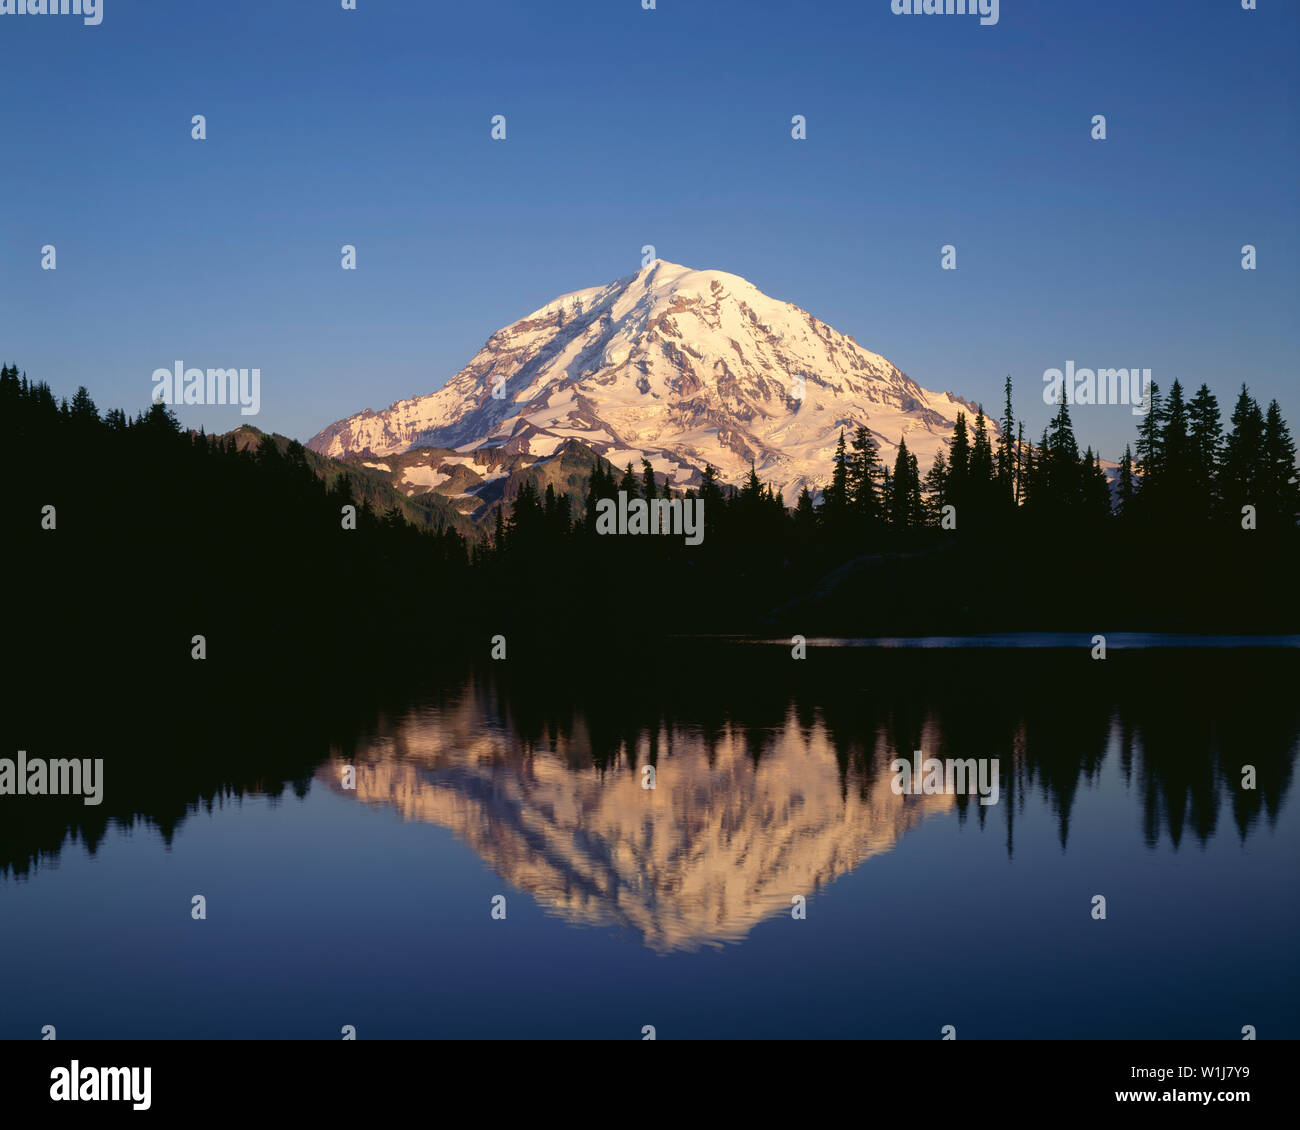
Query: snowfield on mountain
[{"x": 673, "y": 365}]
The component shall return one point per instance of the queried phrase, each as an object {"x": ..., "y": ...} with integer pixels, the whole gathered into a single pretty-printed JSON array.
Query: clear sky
[{"x": 628, "y": 127}]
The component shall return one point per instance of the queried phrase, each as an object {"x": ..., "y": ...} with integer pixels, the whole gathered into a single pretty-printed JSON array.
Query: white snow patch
[{"x": 424, "y": 476}]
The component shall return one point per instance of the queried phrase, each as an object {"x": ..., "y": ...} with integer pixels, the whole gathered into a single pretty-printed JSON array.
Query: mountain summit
[{"x": 677, "y": 366}]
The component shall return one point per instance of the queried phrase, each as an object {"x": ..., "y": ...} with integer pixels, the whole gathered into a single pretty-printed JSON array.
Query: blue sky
[{"x": 629, "y": 127}]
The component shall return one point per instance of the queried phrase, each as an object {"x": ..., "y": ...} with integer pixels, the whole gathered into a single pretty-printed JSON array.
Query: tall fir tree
[
  {"x": 1064, "y": 475},
  {"x": 905, "y": 489},
  {"x": 629, "y": 483},
  {"x": 982, "y": 481},
  {"x": 1006, "y": 462},
  {"x": 915, "y": 503},
  {"x": 1279, "y": 492},
  {"x": 1095, "y": 496},
  {"x": 863, "y": 476},
  {"x": 935, "y": 488},
  {"x": 1240, "y": 476},
  {"x": 805, "y": 517},
  {"x": 959, "y": 464},
  {"x": 1020, "y": 470},
  {"x": 1148, "y": 450},
  {"x": 1177, "y": 487},
  {"x": 835, "y": 499},
  {"x": 1124, "y": 497},
  {"x": 598, "y": 488},
  {"x": 1206, "y": 434},
  {"x": 711, "y": 500}
]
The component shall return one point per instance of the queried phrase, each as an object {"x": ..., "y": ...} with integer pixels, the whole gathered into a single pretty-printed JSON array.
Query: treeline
[
  {"x": 989, "y": 539},
  {"x": 1183, "y": 472},
  {"x": 186, "y": 531},
  {"x": 182, "y": 534},
  {"x": 125, "y": 538}
]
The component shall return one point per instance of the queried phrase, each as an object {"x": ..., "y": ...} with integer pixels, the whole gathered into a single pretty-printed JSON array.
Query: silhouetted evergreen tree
[
  {"x": 862, "y": 478},
  {"x": 647, "y": 480},
  {"x": 1279, "y": 492},
  {"x": 629, "y": 484},
  {"x": 526, "y": 527},
  {"x": 1095, "y": 489},
  {"x": 835, "y": 499},
  {"x": 83, "y": 408},
  {"x": 959, "y": 454},
  {"x": 1175, "y": 494},
  {"x": 981, "y": 478},
  {"x": 805, "y": 516},
  {"x": 713, "y": 500},
  {"x": 915, "y": 504},
  {"x": 1242, "y": 453},
  {"x": 1020, "y": 470},
  {"x": 1063, "y": 477},
  {"x": 1037, "y": 500},
  {"x": 905, "y": 490},
  {"x": 1149, "y": 452},
  {"x": 1124, "y": 499},
  {"x": 1006, "y": 460},
  {"x": 1206, "y": 434},
  {"x": 935, "y": 488},
  {"x": 600, "y": 486}
]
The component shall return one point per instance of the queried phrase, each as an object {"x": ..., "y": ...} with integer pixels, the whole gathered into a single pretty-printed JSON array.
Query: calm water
[{"x": 671, "y": 907}]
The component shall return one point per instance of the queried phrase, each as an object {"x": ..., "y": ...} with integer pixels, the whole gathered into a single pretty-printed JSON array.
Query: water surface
[{"x": 672, "y": 906}]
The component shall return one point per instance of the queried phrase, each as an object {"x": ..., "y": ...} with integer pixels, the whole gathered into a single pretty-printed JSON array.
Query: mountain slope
[
  {"x": 425, "y": 510},
  {"x": 677, "y": 366}
]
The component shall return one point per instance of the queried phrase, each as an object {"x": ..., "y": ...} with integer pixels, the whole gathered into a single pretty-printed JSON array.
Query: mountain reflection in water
[
  {"x": 721, "y": 842},
  {"x": 786, "y": 788}
]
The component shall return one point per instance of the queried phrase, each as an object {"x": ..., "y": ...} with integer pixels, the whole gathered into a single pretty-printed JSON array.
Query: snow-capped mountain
[{"x": 677, "y": 366}]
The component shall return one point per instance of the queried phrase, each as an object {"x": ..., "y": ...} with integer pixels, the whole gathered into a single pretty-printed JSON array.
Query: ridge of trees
[{"x": 148, "y": 499}]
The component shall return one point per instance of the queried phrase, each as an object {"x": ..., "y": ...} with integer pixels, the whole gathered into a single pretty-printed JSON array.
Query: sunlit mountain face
[
  {"x": 723, "y": 840},
  {"x": 683, "y": 368}
]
